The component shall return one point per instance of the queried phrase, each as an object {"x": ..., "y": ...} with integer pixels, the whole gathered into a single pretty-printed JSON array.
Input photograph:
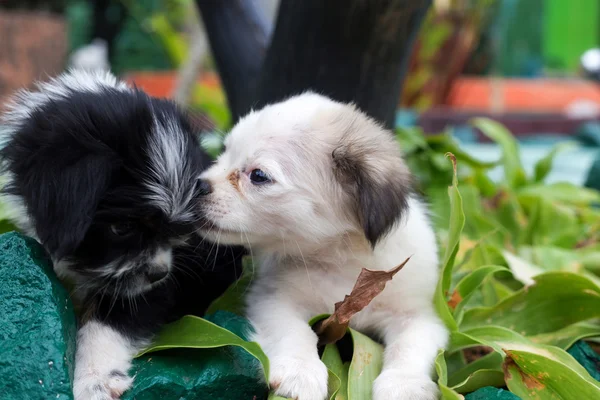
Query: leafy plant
[
  {"x": 518, "y": 284},
  {"x": 518, "y": 279}
]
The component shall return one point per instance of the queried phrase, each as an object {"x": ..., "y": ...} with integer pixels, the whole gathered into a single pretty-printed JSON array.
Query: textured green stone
[
  {"x": 491, "y": 393},
  {"x": 225, "y": 373},
  {"x": 37, "y": 324}
]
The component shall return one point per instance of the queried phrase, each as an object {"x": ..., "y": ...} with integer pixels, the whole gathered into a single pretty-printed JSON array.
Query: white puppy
[{"x": 318, "y": 191}]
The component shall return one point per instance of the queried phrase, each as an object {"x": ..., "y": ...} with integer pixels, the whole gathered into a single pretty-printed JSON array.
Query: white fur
[
  {"x": 168, "y": 144},
  {"x": 310, "y": 247},
  {"x": 102, "y": 361}
]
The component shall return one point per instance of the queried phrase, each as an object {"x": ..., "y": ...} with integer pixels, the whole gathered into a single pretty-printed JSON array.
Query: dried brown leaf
[{"x": 368, "y": 285}]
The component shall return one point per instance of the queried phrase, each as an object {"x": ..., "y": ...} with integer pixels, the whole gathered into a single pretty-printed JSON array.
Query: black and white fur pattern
[
  {"x": 106, "y": 179},
  {"x": 318, "y": 191}
]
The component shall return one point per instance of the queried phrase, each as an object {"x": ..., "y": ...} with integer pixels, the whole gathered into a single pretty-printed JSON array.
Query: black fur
[
  {"x": 78, "y": 163},
  {"x": 380, "y": 197}
]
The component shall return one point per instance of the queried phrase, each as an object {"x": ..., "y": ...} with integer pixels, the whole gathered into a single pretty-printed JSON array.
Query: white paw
[
  {"x": 397, "y": 385},
  {"x": 101, "y": 387},
  {"x": 299, "y": 378}
]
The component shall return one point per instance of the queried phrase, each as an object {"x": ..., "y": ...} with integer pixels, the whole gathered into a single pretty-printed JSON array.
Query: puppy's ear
[
  {"x": 61, "y": 200},
  {"x": 368, "y": 164}
]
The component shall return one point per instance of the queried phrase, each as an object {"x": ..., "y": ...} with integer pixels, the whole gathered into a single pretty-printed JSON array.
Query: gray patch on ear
[{"x": 370, "y": 168}]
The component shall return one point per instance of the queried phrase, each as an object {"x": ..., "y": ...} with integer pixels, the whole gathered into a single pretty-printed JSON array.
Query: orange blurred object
[
  {"x": 162, "y": 84},
  {"x": 520, "y": 95}
]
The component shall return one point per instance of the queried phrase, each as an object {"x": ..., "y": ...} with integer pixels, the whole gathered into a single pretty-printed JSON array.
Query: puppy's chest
[{"x": 318, "y": 289}]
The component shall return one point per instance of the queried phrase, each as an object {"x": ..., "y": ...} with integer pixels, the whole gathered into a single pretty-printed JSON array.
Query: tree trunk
[
  {"x": 238, "y": 36},
  {"x": 351, "y": 50}
]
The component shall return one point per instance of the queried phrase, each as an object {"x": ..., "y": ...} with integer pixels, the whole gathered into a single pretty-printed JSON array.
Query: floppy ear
[
  {"x": 68, "y": 202},
  {"x": 61, "y": 198},
  {"x": 368, "y": 164}
]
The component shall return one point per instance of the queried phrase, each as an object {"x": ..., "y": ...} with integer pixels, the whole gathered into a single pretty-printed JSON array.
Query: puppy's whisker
[{"x": 305, "y": 266}]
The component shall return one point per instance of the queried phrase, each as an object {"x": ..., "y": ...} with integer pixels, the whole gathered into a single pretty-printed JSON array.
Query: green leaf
[
  {"x": 332, "y": 360},
  {"x": 543, "y": 166},
  {"x": 554, "y": 301},
  {"x": 5, "y": 224},
  {"x": 366, "y": 365},
  {"x": 468, "y": 285},
  {"x": 545, "y": 217},
  {"x": 547, "y": 372},
  {"x": 273, "y": 396},
  {"x": 513, "y": 168},
  {"x": 566, "y": 337},
  {"x": 233, "y": 299},
  {"x": 562, "y": 192},
  {"x": 457, "y": 222},
  {"x": 480, "y": 378},
  {"x": 442, "y": 372},
  {"x": 492, "y": 336},
  {"x": 462, "y": 382},
  {"x": 198, "y": 333}
]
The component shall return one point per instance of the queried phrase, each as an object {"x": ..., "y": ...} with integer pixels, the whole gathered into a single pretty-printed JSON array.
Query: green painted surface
[
  {"x": 587, "y": 357},
  {"x": 221, "y": 374},
  {"x": 37, "y": 324},
  {"x": 491, "y": 393},
  {"x": 570, "y": 28}
]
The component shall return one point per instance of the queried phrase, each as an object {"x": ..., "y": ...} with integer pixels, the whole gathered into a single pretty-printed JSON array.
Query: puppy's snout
[{"x": 204, "y": 187}]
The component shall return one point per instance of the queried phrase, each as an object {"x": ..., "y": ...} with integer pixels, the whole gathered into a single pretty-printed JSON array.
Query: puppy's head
[
  {"x": 304, "y": 171},
  {"x": 103, "y": 176}
]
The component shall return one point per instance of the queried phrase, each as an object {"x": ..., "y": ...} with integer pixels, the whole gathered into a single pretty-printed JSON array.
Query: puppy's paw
[
  {"x": 94, "y": 386},
  {"x": 299, "y": 378},
  {"x": 397, "y": 385}
]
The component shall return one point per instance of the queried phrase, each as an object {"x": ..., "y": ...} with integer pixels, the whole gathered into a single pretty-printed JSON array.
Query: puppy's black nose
[
  {"x": 155, "y": 275},
  {"x": 204, "y": 187}
]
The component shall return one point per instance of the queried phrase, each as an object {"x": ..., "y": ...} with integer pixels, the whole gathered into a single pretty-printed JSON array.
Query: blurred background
[{"x": 533, "y": 65}]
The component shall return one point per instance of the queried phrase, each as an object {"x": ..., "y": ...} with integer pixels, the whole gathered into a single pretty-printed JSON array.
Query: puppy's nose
[
  {"x": 155, "y": 275},
  {"x": 204, "y": 187}
]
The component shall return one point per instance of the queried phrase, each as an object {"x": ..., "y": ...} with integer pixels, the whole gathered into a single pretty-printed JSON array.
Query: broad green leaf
[
  {"x": 342, "y": 394},
  {"x": 513, "y": 168},
  {"x": 457, "y": 222},
  {"x": 445, "y": 143},
  {"x": 505, "y": 208},
  {"x": 5, "y": 224},
  {"x": 566, "y": 337},
  {"x": 545, "y": 217},
  {"x": 441, "y": 368},
  {"x": 562, "y": 192},
  {"x": 460, "y": 379},
  {"x": 495, "y": 337},
  {"x": 543, "y": 166},
  {"x": 522, "y": 270},
  {"x": 233, "y": 298},
  {"x": 332, "y": 360},
  {"x": 366, "y": 365},
  {"x": 442, "y": 372},
  {"x": 465, "y": 289},
  {"x": 547, "y": 372},
  {"x": 273, "y": 396},
  {"x": 554, "y": 301},
  {"x": 480, "y": 378},
  {"x": 198, "y": 333}
]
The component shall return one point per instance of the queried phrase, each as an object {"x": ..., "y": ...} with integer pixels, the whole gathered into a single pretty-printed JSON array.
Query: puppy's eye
[
  {"x": 258, "y": 177},
  {"x": 122, "y": 229}
]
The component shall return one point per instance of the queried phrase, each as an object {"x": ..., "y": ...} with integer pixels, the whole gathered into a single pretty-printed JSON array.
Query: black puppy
[{"x": 106, "y": 179}]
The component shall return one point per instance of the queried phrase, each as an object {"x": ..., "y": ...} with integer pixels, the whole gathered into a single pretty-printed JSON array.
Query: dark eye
[
  {"x": 121, "y": 229},
  {"x": 258, "y": 177}
]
